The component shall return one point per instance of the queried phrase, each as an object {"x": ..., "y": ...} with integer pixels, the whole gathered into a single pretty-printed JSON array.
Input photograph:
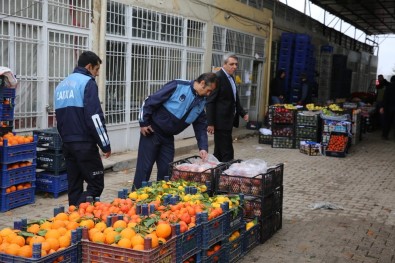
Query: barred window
[
  {"x": 116, "y": 18},
  {"x": 195, "y": 34},
  {"x": 31, "y": 9},
  {"x": 69, "y": 12}
]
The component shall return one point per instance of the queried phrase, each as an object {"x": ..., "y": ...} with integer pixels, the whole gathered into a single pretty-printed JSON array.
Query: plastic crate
[
  {"x": 220, "y": 256},
  {"x": 263, "y": 206},
  {"x": 103, "y": 253},
  {"x": 52, "y": 161},
  {"x": 265, "y": 139},
  {"x": 283, "y": 116},
  {"x": 205, "y": 177},
  {"x": 50, "y": 183},
  {"x": 342, "y": 152},
  {"x": 18, "y": 198},
  {"x": 306, "y": 131},
  {"x": 282, "y": 130},
  {"x": 310, "y": 148},
  {"x": 271, "y": 224},
  {"x": 17, "y": 153},
  {"x": 278, "y": 178},
  {"x": 6, "y": 127},
  {"x": 235, "y": 216},
  {"x": 15, "y": 176},
  {"x": 283, "y": 142},
  {"x": 48, "y": 138},
  {"x": 250, "y": 238},
  {"x": 67, "y": 255},
  {"x": 236, "y": 248},
  {"x": 189, "y": 243},
  {"x": 7, "y": 111},
  {"x": 258, "y": 185},
  {"x": 7, "y": 93},
  {"x": 215, "y": 230},
  {"x": 307, "y": 119}
]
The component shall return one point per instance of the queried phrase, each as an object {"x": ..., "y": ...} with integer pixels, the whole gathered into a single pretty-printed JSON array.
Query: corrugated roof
[{"x": 374, "y": 17}]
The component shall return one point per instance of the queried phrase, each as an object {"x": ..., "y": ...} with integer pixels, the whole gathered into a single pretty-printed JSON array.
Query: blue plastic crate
[
  {"x": 7, "y": 93},
  {"x": 235, "y": 219},
  {"x": 48, "y": 138},
  {"x": 67, "y": 255},
  {"x": 7, "y": 111},
  {"x": 19, "y": 175},
  {"x": 215, "y": 230},
  {"x": 235, "y": 249},
  {"x": 221, "y": 256},
  {"x": 52, "y": 161},
  {"x": 17, "y": 153},
  {"x": 15, "y": 199},
  {"x": 189, "y": 243},
  {"x": 50, "y": 183},
  {"x": 251, "y": 238}
]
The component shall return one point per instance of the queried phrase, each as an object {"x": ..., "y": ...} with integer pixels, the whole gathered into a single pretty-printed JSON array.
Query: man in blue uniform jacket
[
  {"x": 166, "y": 113},
  {"x": 81, "y": 125}
]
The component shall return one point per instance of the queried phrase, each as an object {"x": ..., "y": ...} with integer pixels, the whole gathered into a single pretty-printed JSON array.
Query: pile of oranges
[
  {"x": 15, "y": 139},
  {"x": 53, "y": 235},
  {"x": 18, "y": 165},
  {"x": 18, "y": 187}
]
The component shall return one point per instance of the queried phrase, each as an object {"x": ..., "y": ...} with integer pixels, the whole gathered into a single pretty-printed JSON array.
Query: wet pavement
[{"x": 362, "y": 184}]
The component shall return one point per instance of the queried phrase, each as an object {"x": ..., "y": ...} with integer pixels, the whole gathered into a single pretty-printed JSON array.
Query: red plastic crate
[{"x": 103, "y": 253}]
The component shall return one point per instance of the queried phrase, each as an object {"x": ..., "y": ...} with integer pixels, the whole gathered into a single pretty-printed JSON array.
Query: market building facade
[{"x": 149, "y": 42}]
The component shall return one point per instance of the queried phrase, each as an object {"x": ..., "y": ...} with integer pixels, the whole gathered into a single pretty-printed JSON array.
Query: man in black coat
[
  {"x": 388, "y": 108},
  {"x": 223, "y": 109}
]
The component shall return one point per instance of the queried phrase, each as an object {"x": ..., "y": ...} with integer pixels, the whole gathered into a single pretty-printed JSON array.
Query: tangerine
[{"x": 163, "y": 230}]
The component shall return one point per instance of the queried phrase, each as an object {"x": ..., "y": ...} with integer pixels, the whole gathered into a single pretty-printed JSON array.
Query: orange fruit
[
  {"x": 54, "y": 233},
  {"x": 19, "y": 240},
  {"x": 111, "y": 237},
  {"x": 46, "y": 225},
  {"x": 163, "y": 230},
  {"x": 74, "y": 216},
  {"x": 62, "y": 216},
  {"x": 58, "y": 224},
  {"x": 36, "y": 239},
  {"x": 138, "y": 247},
  {"x": 125, "y": 243},
  {"x": 154, "y": 240},
  {"x": 72, "y": 208},
  {"x": 98, "y": 237},
  {"x": 88, "y": 223},
  {"x": 137, "y": 240},
  {"x": 64, "y": 241},
  {"x": 6, "y": 231},
  {"x": 72, "y": 225},
  {"x": 53, "y": 242},
  {"x": 101, "y": 226},
  {"x": 119, "y": 224},
  {"x": 34, "y": 228},
  {"x": 45, "y": 246},
  {"x": 25, "y": 251},
  {"x": 128, "y": 233},
  {"x": 12, "y": 249}
]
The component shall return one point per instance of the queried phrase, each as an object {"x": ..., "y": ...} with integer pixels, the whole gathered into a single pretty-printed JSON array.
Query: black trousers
[
  {"x": 155, "y": 148},
  {"x": 83, "y": 163},
  {"x": 223, "y": 147},
  {"x": 389, "y": 120}
]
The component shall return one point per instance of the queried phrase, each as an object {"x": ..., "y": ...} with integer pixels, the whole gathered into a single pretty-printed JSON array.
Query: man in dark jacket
[
  {"x": 223, "y": 110},
  {"x": 277, "y": 89},
  {"x": 305, "y": 90},
  {"x": 81, "y": 125},
  {"x": 166, "y": 113},
  {"x": 388, "y": 108}
]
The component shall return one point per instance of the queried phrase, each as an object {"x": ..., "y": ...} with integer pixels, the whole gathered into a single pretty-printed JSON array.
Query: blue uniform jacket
[
  {"x": 78, "y": 111},
  {"x": 173, "y": 108}
]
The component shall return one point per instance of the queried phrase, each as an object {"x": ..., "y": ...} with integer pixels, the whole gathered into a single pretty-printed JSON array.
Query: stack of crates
[
  {"x": 303, "y": 62},
  {"x": 285, "y": 56},
  {"x": 283, "y": 127},
  {"x": 325, "y": 71},
  {"x": 263, "y": 199},
  {"x": 53, "y": 178},
  {"x": 17, "y": 158},
  {"x": 307, "y": 127}
]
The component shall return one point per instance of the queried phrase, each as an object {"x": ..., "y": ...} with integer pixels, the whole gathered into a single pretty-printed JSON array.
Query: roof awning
[{"x": 373, "y": 17}]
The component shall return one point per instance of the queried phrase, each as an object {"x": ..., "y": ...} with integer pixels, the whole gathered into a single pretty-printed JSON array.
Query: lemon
[
  {"x": 143, "y": 196},
  {"x": 249, "y": 225},
  {"x": 133, "y": 195}
]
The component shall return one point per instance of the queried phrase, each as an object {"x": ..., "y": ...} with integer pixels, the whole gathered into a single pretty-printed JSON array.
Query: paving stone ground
[{"x": 362, "y": 184}]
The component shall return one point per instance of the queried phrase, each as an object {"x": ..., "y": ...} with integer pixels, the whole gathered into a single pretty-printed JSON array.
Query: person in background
[
  {"x": 388, "y": 108},
  {"x": 224, "y": 108},
  {"x": 277, "y": 91},
  {"x": 381, "y": 86},
  {"x": 81, "y": 125},
  {"x": 305, "y": 90},
  {"x": 169, "y": 111}
]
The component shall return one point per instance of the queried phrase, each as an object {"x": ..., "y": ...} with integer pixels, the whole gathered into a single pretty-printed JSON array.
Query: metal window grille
[
  {"x": 63, "y": 52},
  {"x": 239, "y": 43},
  {"x": 69, "y": 12},
  {"x": 218, "y": 35},
  {"x": 116, "y": 82},
  {"x": 116, "y": 18},
  {"x": 4, "y": 43},
  {"x": 24, "y": 47},
  {"x": 31, "y": 9},
  {"x": 259, "y": 48},
  {"x": 195, "y": 34},
  {"x": 149, "y": 39}
]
